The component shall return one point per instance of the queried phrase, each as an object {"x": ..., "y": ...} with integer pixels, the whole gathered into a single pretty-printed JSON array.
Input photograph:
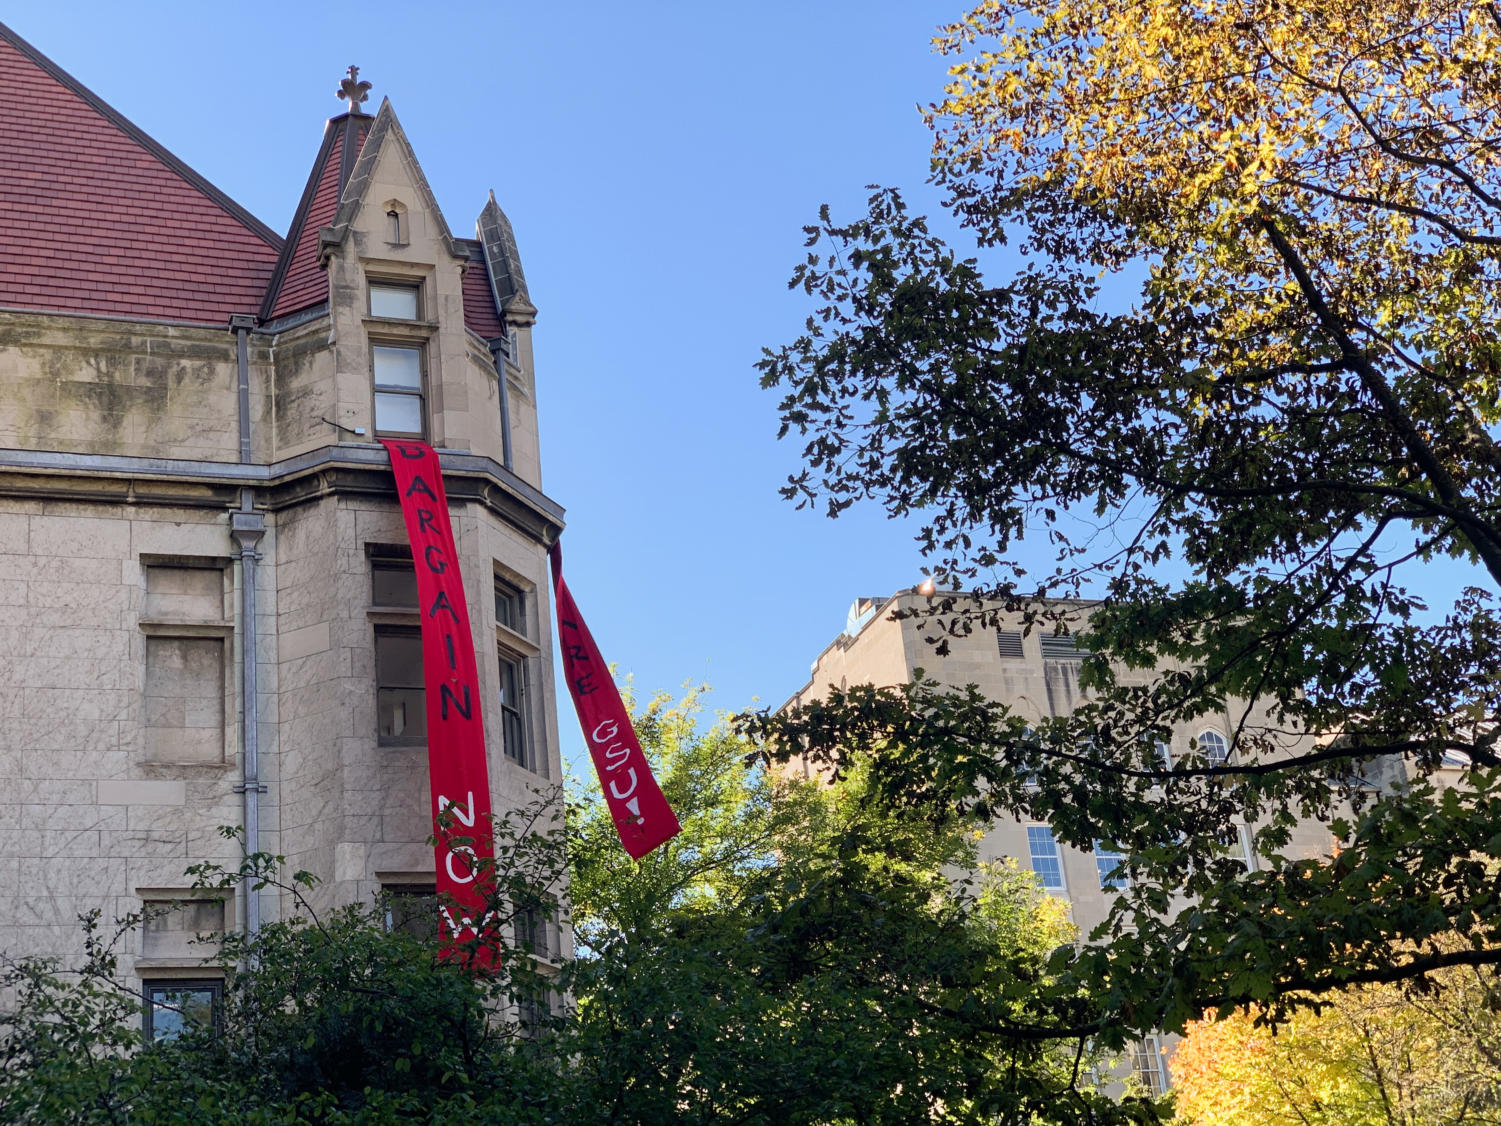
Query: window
[
  {"x": 533, "y": 1006},
  {"x": 396, "y": 370},
  {"x": 509, "y": 607},
  {"x": 395, "y": 300},
  {"x": 393, "y": 582},
  {"x": 400, "y": 696},
  {"x": 512, "y": 720},
  {"x": 1245, "y": 846},
  {"x": 1009, "y": 642},
  {"x": 1111, "y": 865},
  {"x": 174, "y": 1007},
  {"x": 411, "y": 909},
  {"x": 1061, "y": 647},
  {"x": 1214, "y": 747},
  {"x": 1046, "y": 860},
  {"x": 1147, "y": 1065},
  {"x": 534, "y": 927}
]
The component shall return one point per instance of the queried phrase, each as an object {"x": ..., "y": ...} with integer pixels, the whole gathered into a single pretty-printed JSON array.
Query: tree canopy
[
  {"x": 1387, "y": 1054},
  {"x": 1293, "y": 420},
  {"x": 794, "y": 957}
]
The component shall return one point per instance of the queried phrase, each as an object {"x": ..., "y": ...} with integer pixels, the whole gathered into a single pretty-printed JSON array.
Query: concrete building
[
  {"x": 1037, "y": 674},
  {"x": 207, "y": 610}
]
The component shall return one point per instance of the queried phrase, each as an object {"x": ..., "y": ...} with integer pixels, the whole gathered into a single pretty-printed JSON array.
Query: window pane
[
  {"x": 412, "y": 909},
  {"x": 1045, "y": 859},
  {"x": 508, "y": 606},
  {"x": 397, "y": 367},
  {"x": 1110, "y": 865},
  {"x": 1212, "y": 743},
  {"x": 398, "y": 414},
  {"x": 176, "y": 1007},
  {"x": 394, "y": 301},
  {"x": 393, "y": 584},
  {"x": 398, "y": 660},
  {"x": 403, "y": 713},
  {"x": 1146, "y": 1065},
  {"x": 513, "y": 737}
]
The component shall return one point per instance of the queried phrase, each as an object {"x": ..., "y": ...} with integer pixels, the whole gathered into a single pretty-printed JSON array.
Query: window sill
[
  {"x": 394, "y": 328},
  {"x": 175, "y": 627},
  {"x": 517, "y": 643},
  {"x": 391, "y": 616}
]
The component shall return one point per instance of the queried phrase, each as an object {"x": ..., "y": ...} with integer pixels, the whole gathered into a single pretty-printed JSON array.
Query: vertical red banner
[
  {"x": 642, "y": 816},
  {"x": 456, "y": 762}
]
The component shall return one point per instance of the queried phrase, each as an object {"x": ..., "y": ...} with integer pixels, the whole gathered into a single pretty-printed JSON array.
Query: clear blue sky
[{"x": 658, "y": 161}]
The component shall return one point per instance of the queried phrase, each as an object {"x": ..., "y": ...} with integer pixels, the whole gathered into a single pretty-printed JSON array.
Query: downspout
[
  {"x": 498, "y": 349},
  {"x": 247, "y": 527}
]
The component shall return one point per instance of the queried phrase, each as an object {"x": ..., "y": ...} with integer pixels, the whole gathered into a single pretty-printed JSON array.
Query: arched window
[{"x": 1215, "y": 749}]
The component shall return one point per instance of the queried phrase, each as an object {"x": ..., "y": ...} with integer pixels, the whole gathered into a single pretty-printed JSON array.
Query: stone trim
[{"x": 349, "y": 468}]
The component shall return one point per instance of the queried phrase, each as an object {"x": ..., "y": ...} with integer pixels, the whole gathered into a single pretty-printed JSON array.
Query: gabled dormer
[{"x": 418, "y": 333}]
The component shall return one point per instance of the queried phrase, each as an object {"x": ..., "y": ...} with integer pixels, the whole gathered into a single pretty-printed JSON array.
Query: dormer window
[{"x": 396, "y": 300}]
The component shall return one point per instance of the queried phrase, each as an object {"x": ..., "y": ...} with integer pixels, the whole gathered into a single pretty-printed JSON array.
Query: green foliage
[
  {"x": 800, "y": 954},
  {"x": 1298, "y": 417},
  {"x": 812, "y": 954}
]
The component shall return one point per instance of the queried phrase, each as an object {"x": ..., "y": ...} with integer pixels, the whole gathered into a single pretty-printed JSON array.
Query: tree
[
  {"x": 1297, "y": 417},
  {"x": 1375, "y": 1055},
  {"x": 332, "y": 1019},
  {"x": 795, "y": 956},
  {"x": 792, "y": 957}
]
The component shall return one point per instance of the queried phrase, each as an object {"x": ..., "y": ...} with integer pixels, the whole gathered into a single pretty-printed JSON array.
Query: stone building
[
  {"x": 1037, "y": 674},
  {"x": 207, "y": 611}
]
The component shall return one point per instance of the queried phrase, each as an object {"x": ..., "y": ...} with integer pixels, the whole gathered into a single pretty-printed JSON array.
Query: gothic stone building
[{"x": 207, "y": 612}]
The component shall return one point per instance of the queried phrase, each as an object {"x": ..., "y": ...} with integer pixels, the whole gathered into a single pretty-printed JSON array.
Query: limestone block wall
[
  {"x": 89, "y": 815},
  {"x": 354, "y": 810},
  {"x": 100, "y": 386}
]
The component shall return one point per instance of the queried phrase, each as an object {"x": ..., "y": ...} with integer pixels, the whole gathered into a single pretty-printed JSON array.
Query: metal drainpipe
[
  {"x": 247, "y": 527},
  {"x": 497, "y": 353}
]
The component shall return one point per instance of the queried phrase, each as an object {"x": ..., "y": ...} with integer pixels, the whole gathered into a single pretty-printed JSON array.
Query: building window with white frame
[
  {"x": 510, "y": 607},
  {"x": 1047, "y": 861},
  {"x": 395, "y": 300},
  {"x": 1148, "y": 1067},
  {"x": 398, "y": 377},
  {"x": 513, "y": 735},
  {"x": 1111, "y": 865},
  {"x": 1214, "y": 747}
]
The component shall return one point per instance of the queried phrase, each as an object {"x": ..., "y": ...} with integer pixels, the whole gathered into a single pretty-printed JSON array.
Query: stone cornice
[{"x": 346, "y": 469}]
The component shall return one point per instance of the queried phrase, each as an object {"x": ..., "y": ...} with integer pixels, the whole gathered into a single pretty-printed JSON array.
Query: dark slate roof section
[
  {"x": 98, "y": 218},
  {"x": 501, "y": 256},
  {"x": 383, "y": 131},
  {"x": 480, "y": 313},
  {"x": 300, "y": 279}
]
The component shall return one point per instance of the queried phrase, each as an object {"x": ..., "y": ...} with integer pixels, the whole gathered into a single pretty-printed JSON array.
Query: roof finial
[{"x": 353, "y": 90}]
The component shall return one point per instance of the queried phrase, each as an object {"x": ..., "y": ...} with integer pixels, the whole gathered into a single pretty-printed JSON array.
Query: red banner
[
  {"x": 456, "y": 763},
  {"x": 642, "y": 816}
]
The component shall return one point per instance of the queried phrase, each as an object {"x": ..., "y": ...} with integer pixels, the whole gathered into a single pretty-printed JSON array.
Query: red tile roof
[
  {"x": 479, "y": 302},
  {"x": 96, "y": 217},
  {"x": 305, "y": 282}
]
